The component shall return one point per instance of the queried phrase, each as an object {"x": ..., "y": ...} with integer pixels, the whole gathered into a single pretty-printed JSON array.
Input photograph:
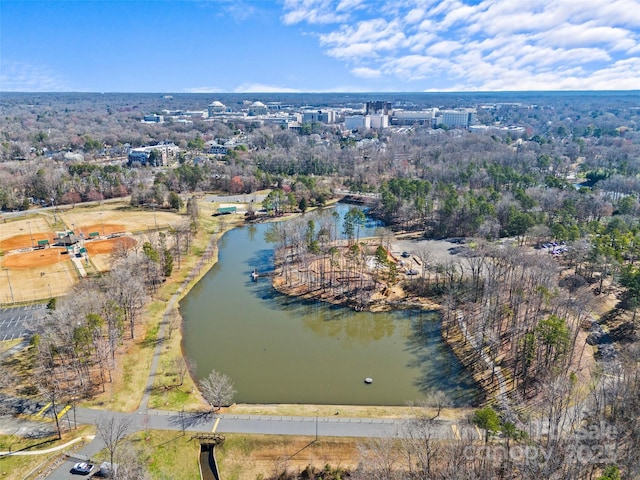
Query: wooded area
[{"x": 549, "y": 217}]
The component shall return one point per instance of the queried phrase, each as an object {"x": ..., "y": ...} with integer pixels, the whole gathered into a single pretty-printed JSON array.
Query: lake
[{"x": 279, "y": 349}]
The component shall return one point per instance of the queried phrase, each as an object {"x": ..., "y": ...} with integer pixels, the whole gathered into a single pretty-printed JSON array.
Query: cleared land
[
  {"x": 25, "y": 240},
  {"x": 32, "y": 275},
  {"x": 36, "y": 283},
  {"x": 98, "y": 247},
  {"x": 35, "y": 258},
  {"x": 248, "y": 457}
]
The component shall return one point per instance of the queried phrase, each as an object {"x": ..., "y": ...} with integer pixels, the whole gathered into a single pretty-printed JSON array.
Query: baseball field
[{"x": 36, "y": 263}]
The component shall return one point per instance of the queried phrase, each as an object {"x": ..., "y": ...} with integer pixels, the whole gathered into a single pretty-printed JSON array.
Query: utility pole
[
  {"x": 10, "y": 289},
  {"x": 154, "y": 216},
  {"x": 30, "y": 234}
]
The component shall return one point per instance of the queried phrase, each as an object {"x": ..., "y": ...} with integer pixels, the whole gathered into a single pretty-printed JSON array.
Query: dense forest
[{"x": 549, "y": 210}]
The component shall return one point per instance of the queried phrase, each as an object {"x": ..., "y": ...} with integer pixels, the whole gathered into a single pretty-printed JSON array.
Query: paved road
[
  {"x": 248, "y": 424},
  {"x": 14, "y": 321},
  {"x": 191, "y": 423}
]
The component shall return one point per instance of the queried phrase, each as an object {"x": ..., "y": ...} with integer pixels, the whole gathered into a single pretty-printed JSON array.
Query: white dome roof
[
  {"x": 258, "y": 104},
  {"x": 217, "y": 104}
]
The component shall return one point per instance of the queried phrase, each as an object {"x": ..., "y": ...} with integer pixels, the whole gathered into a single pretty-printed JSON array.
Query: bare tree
[
  {"x": 52, "y": 374},
  {"x": 113, "y": 430},
  {"x": 126, "y": 287},
  {"x": 131, "y": 465},
  {"x": 379, "y": 459},
  {"x": 180, "y": 367},
  {"x": 217, "y": 389}
]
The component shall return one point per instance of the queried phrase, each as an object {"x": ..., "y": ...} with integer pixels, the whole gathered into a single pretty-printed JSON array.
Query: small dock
[{"x": 255, "y": 274}]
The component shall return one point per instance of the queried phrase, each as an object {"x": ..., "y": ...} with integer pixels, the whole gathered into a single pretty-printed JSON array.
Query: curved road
[{"x": 248, "y": 424}]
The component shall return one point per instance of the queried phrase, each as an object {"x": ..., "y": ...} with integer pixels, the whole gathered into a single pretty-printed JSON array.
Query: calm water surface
[{"x": 279, "y": 349}]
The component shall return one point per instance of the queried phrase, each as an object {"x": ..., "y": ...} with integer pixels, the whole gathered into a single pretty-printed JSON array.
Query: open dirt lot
[
  {"x": 35, "y": 258},
  {"x": 118, "y": 219},
  {"x": 439, "y": 251},
  {"x": 24, "y": 233},
  {"x": 41, "y": 274},
  {"x": 33, "y": 284},
  {"x": 98, "y": 247}
]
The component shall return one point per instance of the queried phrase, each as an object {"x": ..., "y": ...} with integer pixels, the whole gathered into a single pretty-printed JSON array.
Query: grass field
[
  {"x": 172, "y": 454},
  {"x": 33, "y": 275},
  {"x": 28, "y": 467}
]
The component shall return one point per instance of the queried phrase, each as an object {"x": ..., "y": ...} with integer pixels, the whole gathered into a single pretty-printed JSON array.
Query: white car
[{"x": 83, "y": 468}]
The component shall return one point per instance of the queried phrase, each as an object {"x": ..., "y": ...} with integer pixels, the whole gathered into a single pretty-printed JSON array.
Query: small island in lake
[{"x": 365, "y": 275}]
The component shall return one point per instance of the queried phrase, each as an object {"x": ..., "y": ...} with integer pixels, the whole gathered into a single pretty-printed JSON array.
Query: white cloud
[
  {"x": 358, "y": 50},
  {"x": 24, "y": 77},
  {"x": 312, "y": 12},
  {"x": 366, "y": 31},
  {"x": 346, "y": 5},
  {"x": 414, "y": 16},
  {"x": 261, "y": 88},
  {"x": 366, "y": 72},
  {"x": 570, "y": 35},
  {"x": 445, "y": 47},
  {"x": 415, "y": 67},
  {"x": 490, "y": 44},
  {"x": 203, "y": 90}
]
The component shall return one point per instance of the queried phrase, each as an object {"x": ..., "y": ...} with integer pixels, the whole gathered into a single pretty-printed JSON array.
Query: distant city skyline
[{"x": 211, "y": 46}]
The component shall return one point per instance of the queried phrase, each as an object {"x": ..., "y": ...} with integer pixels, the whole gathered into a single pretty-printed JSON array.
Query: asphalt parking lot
[{"x": 15, "y": 322}]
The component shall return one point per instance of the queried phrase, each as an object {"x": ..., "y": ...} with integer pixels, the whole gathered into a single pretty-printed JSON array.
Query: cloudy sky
[{"x": 319, "y": 45}]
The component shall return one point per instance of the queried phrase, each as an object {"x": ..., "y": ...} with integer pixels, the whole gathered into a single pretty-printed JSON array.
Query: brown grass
[
  {"x": 107, "y": 229},
  {"x": 347, "y": 411},
  {"x": 118, "y": 217},
  {"x": 33, "y": 284},
  {"x": 246, "y": 457}
]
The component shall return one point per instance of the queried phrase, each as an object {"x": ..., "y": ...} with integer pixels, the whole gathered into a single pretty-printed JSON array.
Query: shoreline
[
  {"x": 468, "y": 357},
  {"x": 381, "y": 305}
]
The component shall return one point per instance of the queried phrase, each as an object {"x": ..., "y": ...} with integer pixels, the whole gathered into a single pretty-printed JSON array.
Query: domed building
[
  {"x": 216, "y": 108},
  {"x": 257, "y": 108}
]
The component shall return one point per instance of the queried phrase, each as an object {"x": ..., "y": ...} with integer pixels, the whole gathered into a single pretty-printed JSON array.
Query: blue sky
[{"x": 319, "y": 45}]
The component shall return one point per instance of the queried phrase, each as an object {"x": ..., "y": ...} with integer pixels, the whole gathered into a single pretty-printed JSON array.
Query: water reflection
[
  {"x": 439, "y": 370},
  {"x": 349, "y": 326},
  {"x": 281, "y": 349}
]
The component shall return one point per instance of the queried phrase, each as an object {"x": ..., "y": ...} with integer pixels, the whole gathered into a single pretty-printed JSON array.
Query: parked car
[
  {"x": 82, "y": 468},
  {"x": 405, "y": 255}
]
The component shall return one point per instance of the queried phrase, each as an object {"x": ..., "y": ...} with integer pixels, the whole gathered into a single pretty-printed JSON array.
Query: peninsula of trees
[{"x": 546, "y": 280}]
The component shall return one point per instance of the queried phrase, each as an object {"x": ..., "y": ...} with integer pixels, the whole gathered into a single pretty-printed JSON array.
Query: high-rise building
[
  {"x": 318, "y": 116},
  {"x": 379, "y": 107}
]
